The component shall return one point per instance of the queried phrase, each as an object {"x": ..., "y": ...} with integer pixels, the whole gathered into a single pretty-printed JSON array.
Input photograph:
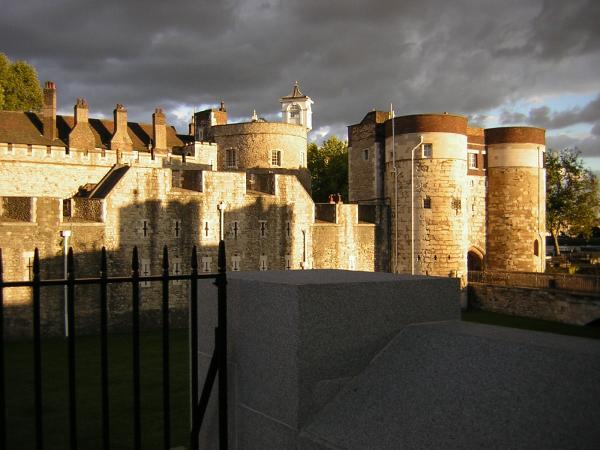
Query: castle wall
[
  {"x": 254, "y": 141},
  {"x": 476, "y": 212},
  {"x": 516, "y": 199},
  {"x": 344, "y": 243}
]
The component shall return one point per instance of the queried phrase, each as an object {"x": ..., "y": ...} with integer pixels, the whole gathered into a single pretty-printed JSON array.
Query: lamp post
[{"x": 412, "y": 205}]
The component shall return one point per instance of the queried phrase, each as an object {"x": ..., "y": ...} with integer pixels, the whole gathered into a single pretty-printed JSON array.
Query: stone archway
[{"x": 474, "y": 259}]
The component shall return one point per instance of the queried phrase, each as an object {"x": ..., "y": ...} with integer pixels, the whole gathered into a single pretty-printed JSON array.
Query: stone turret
[
  {"x": 516, "y": 199},
  {"x": 49, "y": 111},
  {"x": 159, "y": 131},
  {"x": 120, "y": 139},
  {"x": 204, "y": 121},
  {"x": 81, "y": 136}
]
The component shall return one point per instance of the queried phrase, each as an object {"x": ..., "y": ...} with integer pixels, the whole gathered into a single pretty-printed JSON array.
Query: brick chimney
[
  {"x": 49, "y": 111},
  {"x": 120, "y": 138},
  {"x": 81, "y": 136},
  {"x": 159, "y": 131}
]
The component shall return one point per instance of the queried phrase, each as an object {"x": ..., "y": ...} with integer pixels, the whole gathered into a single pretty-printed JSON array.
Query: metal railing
[
  {"x": 565, "y": 282},
  {"x": 218, "y": 364}
]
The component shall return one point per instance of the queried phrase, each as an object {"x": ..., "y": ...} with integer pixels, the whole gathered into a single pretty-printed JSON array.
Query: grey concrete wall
[{"x": 297, "y": 337}]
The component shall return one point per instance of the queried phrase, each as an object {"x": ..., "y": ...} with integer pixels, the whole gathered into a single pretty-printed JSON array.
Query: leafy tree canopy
[
  {"x": 572, "y": 196},
  {"x": 328, "y": 165},
  {"x": 19, "y": 86}
]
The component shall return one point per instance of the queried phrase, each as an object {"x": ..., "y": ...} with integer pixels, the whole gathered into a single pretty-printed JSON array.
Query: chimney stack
[
  {"x": 120, "y": 138},
  {"x": 159, "y": 130},
  {"x": 49, "y": 111},
  {"x": 81, "y": 136}
]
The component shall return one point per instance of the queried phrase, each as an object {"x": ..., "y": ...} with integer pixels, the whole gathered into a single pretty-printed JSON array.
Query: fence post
[
  {"x": 221, "y": 283},
  {"x": 2, "y": 386},
  {"x": 194, "y": 350},
  {"x": 71, "y": 344},
  {"x": 135, "y": 288},
  {"x": 165, "y": 351},
  {"x": 37, "y": 352},
  {"x": 104, "y": 349}
]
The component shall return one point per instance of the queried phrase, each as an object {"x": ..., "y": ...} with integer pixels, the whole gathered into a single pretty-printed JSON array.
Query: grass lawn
[
  {"x": 20, "y": 397},
  {"x": 530, "y": 324}
]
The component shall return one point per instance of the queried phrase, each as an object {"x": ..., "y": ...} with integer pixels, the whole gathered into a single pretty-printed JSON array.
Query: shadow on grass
[
  {"x": 525, "y": 323},
  {"x": 20, "y": 388}
]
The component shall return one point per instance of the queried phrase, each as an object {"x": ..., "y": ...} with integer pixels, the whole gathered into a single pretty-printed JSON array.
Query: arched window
[
  {"x": 536, "y": 248},
  {"x": 295, "y": 114}
]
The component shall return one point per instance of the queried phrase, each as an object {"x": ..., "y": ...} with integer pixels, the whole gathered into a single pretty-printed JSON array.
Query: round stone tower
[
  {"x": 429, "y": 233},
  {"x": 260, "y": 145},
  {"x": 516, "y": 199}
]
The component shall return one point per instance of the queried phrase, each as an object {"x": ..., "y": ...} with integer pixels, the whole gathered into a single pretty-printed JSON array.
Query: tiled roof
[
  {"x": 26, "y": 128},
  {"x": 296, "y": 92}
]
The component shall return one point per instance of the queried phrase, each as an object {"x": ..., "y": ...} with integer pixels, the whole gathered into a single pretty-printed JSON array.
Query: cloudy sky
[{"x": 500, "y": 62}]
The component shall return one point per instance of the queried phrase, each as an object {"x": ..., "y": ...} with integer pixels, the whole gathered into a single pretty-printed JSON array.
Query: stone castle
[
  {"x": 460, "y": 197},
  {"x": 75, "y": 181}
]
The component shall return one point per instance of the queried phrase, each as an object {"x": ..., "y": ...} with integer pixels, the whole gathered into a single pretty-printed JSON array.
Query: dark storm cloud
[
  {"x": 466, "y": 56},
  {"x": 544, "y": 117},
  {"x": 588, "y": 146}
]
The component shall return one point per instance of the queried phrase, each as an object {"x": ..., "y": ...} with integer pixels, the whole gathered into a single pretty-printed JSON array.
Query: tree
[
  {"x": 19, "y": 86},
  {"x": 328, "y": 165},
  {"x": 572, "y": 196}
]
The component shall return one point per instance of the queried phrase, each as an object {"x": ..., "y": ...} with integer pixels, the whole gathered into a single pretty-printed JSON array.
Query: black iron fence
[
  {"x": 565, "y": 282},
  {"x": 218, "y": 364}
]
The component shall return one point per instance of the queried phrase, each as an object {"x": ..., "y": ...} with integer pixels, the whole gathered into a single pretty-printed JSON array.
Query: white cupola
[{"x": 296, "y": 108}]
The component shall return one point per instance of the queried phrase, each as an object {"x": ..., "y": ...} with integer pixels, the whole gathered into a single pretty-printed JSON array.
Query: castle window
[
  {"x": 144, "y": 228},
  {"x": 67, "y": 207},
  {"x": 145, "y": 271},
  {"x": 206, "y": 263},
  {"x": 262, "y": 264},
  {"x": 235, "y": 229},
  {"x": 427, "y": 150},
  {"x": 176, "y": 269},
  {"x": 456, "y": 204},
  {"x": 536, "y": 248},
  {"x": 206, "y": 229},
  {"x": 472, "y": 160},
  {"x": 288, "y": 262},
  {"x": 235, "y": 263},
  {"x": 295, "y": 112},
  {"x": 366, "y": 154},
  {"x": 176, "y": 228},
  {"x": 176, "y": 178},
  {"x": 427, "y": 202},
  {"x": 28, "y": 260},
  {"x": 263, "y": 228},
  {"x": 231, "y": 158},
  {"x": 288, "y": 229},
  {"x": 276, "y": 157}
]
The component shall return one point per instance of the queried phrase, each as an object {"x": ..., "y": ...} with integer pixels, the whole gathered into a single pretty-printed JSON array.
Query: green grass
[
  {"x": 20, "y": 398},
  {"x": 530, "y": 324}
]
